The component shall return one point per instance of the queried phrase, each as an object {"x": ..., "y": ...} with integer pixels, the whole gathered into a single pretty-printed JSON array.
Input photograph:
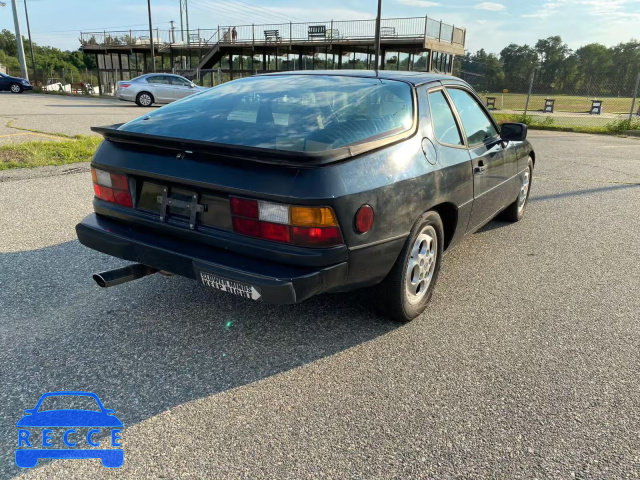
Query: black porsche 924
[{"x": 282, "y": 186}]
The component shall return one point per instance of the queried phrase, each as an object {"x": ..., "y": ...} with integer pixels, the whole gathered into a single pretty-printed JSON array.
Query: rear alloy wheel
[
  {"x": 407, "y": 289},
  {"x": 515, "y": 211},
  {"x": 15, "y": 88},
  {"x": 144, "y": 99}
]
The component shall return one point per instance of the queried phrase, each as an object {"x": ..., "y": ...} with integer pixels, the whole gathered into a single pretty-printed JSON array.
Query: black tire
[
  {"x": 394, "y": 299},
  {"x": 15, "y": 88},
  {"x": 515, "y": 212},
  {"x": 141, "y": 99}
]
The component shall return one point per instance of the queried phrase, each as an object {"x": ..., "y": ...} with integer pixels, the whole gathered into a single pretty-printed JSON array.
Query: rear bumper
[
  {"x": 277, "y": 283},
  {"x": 122, "y": 94}
]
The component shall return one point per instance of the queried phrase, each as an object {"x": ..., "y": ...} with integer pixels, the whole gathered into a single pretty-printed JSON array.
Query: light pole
[
  {"x": 378, "y": 35},
  {"x": 153, "y": 56},
  {"x": 23, "y": 64},
  {"x": 33, "y": 59}
]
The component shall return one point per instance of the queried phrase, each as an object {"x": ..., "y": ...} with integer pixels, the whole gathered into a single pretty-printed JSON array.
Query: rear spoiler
[{"x": 261, "y": 155}]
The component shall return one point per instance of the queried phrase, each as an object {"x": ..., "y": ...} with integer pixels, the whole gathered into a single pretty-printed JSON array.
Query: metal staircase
[{"x": 212, "y": 57}]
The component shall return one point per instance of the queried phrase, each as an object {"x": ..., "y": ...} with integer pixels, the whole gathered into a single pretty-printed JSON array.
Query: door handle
[{"x": 480, "y": 169}]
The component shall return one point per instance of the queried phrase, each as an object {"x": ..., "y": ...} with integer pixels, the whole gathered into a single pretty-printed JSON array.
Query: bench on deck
[
  {"x": 388, "y": 32},
  {"x": 272, "y": 35},
  {"x": 317, "y": 31},
  {"x": 195, "y": 38}
]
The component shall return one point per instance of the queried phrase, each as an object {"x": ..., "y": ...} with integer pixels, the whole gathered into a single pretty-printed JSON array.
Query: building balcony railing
[{"x": 340, "y": 31}]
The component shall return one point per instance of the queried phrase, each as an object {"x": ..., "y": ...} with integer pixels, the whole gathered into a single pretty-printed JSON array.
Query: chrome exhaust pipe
[{"x": 111, "y": 278}]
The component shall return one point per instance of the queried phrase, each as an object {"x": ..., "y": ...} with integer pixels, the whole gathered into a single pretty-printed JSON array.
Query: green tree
[
  {"x": 552, "y": 53},
  {"x": 8, "y": 43},
  {"x": 483, "y": 70},
  {"x": 518, "y": 63},
  {"x": 625, "y": 65},
  {"x": 594, "y": 64}
]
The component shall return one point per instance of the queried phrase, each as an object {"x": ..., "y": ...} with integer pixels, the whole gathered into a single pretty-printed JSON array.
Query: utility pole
[
  {"x": 153, "y": 56},
  {"x": 181, "y": 23},
  {"x": 533, "y": 76},
  {"x": 23, "y": 64},
  {"x": 186, "y": 12},
  {"x": 635, "y": 96},
  {"x": 33, "y": 59},
  {"x": 378, "y": 35}
]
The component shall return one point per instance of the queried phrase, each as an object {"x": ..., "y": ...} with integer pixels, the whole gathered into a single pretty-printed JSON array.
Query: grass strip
[
  {"x": 615, "y": 127},
  {"x": 39, "y": 154}
]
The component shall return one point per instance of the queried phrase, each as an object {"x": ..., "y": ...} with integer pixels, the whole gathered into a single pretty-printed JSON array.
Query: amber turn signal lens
[{"x": 313, "y": 217}]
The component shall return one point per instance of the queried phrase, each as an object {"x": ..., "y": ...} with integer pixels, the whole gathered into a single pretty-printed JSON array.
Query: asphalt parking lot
[
  {"x": 525, "y": 365},
  {"x": 32, "y": 116}
]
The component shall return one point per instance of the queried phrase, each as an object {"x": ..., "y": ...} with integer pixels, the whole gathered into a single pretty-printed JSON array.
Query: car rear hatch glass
[{"x": 286, "y": 113}]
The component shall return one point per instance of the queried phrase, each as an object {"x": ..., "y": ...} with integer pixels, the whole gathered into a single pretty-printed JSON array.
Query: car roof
[
  {"x": 147, "y": 75},
  {"x": 160, "y": 73},
  {"x": 414, "y": 78}
]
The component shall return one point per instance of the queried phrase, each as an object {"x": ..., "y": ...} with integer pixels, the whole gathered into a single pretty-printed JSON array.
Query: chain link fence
[
  {"x": 600, "y": 104},
  {"x": 86, "y": 82},
  {"x": 61, "y": 81}
]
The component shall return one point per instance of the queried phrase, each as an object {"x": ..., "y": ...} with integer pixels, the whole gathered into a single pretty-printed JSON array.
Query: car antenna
[{"x": 377, "y": 40}]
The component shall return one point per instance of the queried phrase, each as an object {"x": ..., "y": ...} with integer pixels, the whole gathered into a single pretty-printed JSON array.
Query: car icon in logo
[{"x": 74, "y": 421}]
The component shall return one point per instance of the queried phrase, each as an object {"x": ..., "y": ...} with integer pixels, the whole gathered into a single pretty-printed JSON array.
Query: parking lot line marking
[
  {"x": 29, "y": 133},
  {"x": 618, "y": 146}
]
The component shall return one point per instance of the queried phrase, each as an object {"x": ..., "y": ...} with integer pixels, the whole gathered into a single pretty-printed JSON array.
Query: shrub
[{"x": 619, "y": 126}]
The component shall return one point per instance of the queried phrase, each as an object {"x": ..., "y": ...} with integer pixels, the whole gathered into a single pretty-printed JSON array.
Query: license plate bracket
[{"x": 192, "y": 206}]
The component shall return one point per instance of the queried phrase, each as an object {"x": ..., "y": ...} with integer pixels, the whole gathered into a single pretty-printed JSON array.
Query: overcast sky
[{"x": 490, "y": 24}]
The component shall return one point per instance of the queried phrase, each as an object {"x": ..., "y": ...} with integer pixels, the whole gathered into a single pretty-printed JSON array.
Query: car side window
[
  {"x": 181, "y": 82},
  {"x": 444, "y": 123},
  {"x": 162, "y": 79},
  {"x": 477, "y": 125}
]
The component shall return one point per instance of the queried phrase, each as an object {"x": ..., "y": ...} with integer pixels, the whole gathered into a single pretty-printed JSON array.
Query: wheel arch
[{"x": 449, "y": 215}]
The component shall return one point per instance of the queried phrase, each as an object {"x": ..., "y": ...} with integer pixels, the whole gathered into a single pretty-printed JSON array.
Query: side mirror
[
  {"x": 514, "y": 132},
  {"x": 193, "y": 85}
]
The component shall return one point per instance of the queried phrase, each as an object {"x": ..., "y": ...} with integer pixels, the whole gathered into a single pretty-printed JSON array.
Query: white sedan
[{"x": 152, "y": 88}]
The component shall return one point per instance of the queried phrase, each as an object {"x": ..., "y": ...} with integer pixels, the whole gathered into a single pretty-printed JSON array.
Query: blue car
[
  {"x": 14, "y": 84},
  {"x": 70, "y": 418}
]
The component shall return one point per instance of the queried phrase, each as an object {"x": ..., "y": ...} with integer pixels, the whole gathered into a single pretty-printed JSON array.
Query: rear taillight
[
  {"x": 304, "y": 226},
  {"x": 125, "y": 85},
  {"x": 111, "y": 187}
]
